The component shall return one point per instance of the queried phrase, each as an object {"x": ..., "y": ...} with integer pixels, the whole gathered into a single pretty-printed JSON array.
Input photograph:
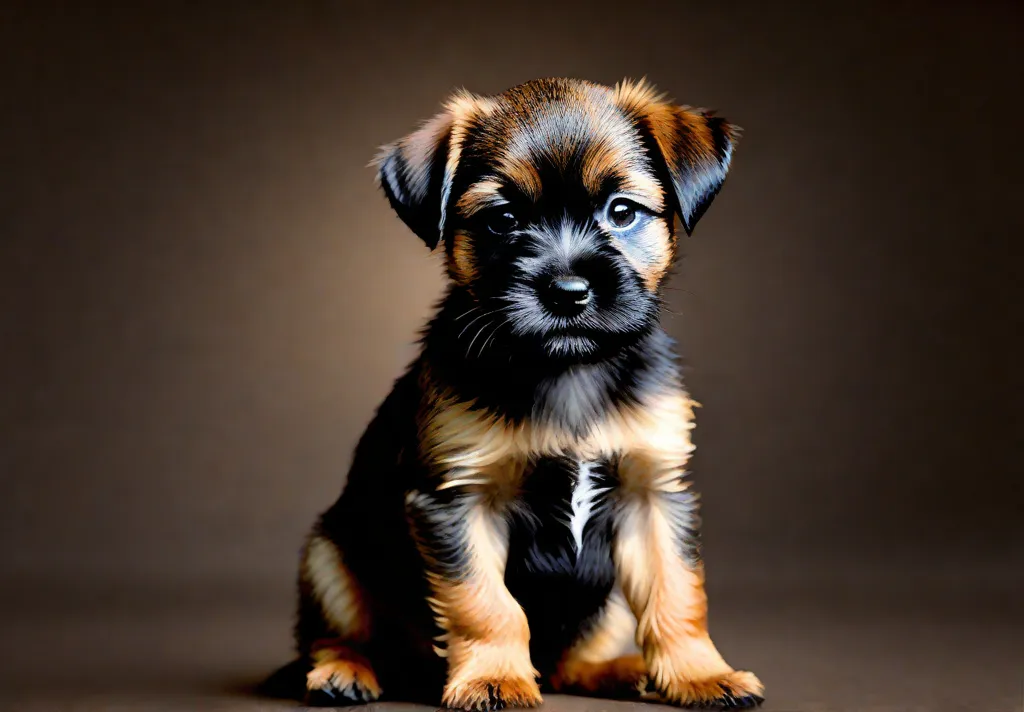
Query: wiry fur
[{"x": 469, "y": 559}]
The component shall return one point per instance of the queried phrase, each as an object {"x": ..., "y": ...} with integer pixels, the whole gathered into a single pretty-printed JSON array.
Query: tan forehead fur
[{"x": 572, "y": 116}]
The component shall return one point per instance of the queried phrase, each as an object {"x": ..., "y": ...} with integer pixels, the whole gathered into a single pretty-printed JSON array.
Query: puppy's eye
[
  {"x": 501, "y": 222},
  {"x": 623, "y": 213}
]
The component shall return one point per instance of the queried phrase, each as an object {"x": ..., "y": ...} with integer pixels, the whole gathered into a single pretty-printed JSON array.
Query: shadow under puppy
[{"x": 518, "y": 508}]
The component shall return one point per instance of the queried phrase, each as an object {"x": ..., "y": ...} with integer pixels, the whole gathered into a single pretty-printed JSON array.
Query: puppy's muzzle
[{"x": 566, "y": 295}]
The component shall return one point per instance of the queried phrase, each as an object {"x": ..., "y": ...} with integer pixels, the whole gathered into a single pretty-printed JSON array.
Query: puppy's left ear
[
  {"x": 697, "y": 149},
  {"x": 694, "y": 147},
  {"x": 417, "y": 171}
]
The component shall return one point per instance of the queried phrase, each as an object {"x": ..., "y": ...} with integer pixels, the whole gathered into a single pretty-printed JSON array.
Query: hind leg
[
  {"x": 333, "y": 628},
  {"x": 606, "y": 661}
]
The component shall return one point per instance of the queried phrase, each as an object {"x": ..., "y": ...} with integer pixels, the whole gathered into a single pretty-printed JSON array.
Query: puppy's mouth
[
  {"x": 582, "y": 341},
  {"x": 569, "y": 345}
]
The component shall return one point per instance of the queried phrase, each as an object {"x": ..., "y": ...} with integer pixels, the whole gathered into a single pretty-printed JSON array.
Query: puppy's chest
[{"x": 561, "y": 522}]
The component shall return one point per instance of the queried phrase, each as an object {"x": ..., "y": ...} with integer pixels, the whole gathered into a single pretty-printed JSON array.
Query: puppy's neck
[{"x": 517, "y": 387}]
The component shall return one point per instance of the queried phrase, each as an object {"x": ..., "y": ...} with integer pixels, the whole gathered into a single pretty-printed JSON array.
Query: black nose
[{"x": 567, "y": 295}]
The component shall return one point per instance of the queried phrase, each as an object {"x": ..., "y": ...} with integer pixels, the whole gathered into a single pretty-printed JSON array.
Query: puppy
[{"x": 518, "y": 511}]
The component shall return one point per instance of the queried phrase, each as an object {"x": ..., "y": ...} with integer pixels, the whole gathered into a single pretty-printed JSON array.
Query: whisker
[
  {"x": 491, "y": 337},
  {"x": 485, "y": 314},
  {"x": 492, "y": 312},
  {"x": 470, "y": 348},
  {"x": 471, "y": 310}
]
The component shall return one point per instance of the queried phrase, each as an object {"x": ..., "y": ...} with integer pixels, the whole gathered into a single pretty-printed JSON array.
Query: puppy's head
[{"x": 556, "y": 204}]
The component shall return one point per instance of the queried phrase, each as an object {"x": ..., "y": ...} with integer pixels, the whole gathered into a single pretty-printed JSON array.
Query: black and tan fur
[{"x": 446, "y": 570}]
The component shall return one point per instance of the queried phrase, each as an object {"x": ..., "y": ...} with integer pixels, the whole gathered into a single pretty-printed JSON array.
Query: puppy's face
[{"x": 556, "y": 203}]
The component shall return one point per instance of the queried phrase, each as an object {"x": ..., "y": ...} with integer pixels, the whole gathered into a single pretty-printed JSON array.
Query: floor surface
[{"x": 855, "y": 648}]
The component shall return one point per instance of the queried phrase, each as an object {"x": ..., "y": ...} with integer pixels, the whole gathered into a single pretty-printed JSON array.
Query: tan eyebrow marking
[
  {"x": 601, "y": 167},
  {"x": 645, "y": 187},
  {"x": 522, "y": 173},
  {"x": 478, "y": 196}
]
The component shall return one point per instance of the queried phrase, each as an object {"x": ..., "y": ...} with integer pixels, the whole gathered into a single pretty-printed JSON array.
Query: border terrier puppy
[{"x": 518, "y": 510}]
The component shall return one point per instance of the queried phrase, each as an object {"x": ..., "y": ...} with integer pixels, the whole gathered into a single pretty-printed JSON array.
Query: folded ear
[
  {"x": 697, "y": 147},
  {"x": 417, "y": 171},
  {"x": 693, "y": 147}
]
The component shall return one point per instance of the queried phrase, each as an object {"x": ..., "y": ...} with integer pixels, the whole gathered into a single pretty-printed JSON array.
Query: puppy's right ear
[{"x": 417, "y": 171}]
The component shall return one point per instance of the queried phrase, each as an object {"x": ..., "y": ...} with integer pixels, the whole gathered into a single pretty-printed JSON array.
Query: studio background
[{"x": 204, "y": 296}]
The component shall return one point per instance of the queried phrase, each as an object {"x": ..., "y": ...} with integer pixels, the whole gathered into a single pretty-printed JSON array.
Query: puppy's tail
[{"x": 288, "y": 682}]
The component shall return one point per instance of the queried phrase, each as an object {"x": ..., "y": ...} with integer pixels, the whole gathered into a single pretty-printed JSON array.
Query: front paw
[
  {"x": 492, "y": 693},
  {"x": 736, "y": 689}
]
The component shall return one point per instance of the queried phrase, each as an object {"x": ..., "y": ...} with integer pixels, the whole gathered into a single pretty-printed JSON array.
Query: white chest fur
[{"x": 582, "y": 501}]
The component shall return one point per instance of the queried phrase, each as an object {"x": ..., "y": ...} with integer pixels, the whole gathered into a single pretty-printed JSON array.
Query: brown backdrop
[{"x": 203, "y": 295}]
